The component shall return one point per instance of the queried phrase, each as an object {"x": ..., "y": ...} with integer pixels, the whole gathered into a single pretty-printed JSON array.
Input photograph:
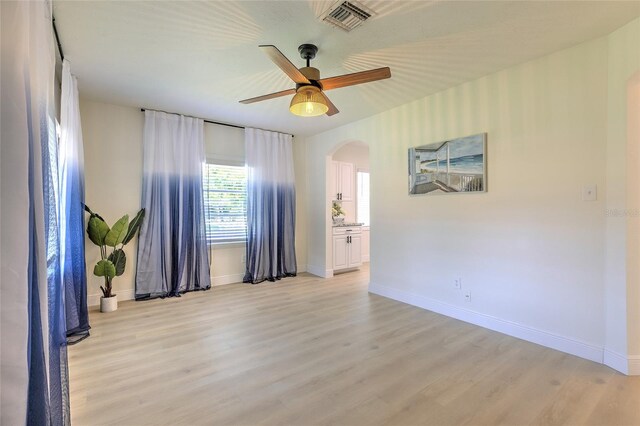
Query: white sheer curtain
[
  {"x": 172, "y": 249},
  {"x": 71, "y": 172},
  {"x": 271, "y": 206},
  {"x": 33, "y": 351}
]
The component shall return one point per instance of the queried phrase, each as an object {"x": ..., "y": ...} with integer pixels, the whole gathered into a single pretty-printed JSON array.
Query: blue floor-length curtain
[
  {"x": 58, "y": 372},
  {"x": 71, "y": 182},
  {"x": 33, "y": 358},
  {"x": 172, "y": 248},
  {"x": 271, "y": 206}
]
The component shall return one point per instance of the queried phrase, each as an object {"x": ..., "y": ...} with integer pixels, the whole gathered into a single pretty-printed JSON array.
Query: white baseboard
[
  {"x": 237, "y": 278},
  {"x": 319, "y": 271},
  {"x": 312, "y": 269},
  {"x": 629, "y": 365},
  {"x": 94, "y": 299},
  {"x": 616, "y": 361},
  {"x": 634, "y": 365},
  {"x": 226, "y": 279},
  {"x": 530, "y": 334}
]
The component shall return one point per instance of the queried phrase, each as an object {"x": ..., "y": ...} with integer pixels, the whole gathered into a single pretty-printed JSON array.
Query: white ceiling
[{"x": 200, "y": 58}]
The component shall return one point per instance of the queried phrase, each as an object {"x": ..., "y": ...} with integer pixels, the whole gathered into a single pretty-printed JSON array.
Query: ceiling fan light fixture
[
  {"x": 308, "y": 102},
  {"x": 309, "y": 99}
]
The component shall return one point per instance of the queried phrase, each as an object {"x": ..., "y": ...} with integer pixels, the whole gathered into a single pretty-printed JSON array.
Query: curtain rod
[
  {"x": 55, "y": 33},
  {"x": 219, "y": 123}
]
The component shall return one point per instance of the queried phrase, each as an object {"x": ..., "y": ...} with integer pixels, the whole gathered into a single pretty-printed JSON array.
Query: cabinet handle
[
  {"x": 349, "y": 239},
  {"x": 341, "y": 196}
]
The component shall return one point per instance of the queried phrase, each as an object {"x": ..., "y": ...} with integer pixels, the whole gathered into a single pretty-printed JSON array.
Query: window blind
[{"x": 225, "y": 195}]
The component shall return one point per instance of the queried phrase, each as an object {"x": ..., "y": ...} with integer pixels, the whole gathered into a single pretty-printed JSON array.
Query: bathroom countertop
[{"x": 346, "y": 224}]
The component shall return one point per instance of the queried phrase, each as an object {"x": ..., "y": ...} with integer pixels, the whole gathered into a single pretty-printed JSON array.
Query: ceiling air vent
[{"x": 346, "y": 15}]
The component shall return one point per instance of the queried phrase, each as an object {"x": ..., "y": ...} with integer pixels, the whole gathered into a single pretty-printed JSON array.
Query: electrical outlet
[
  {"x": 467, "y": 296},
  {"x": 457, "y": 283}
]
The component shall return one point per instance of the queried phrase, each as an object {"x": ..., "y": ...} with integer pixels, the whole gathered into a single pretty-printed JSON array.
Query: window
[
  {"x": 225, "y": 195},
  {"x": 362, "y": 198}
]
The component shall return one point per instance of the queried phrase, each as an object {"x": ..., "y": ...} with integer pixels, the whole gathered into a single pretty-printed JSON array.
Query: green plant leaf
[
  {"x": 88, "y": 210},
  {"x": 97, "y": 229},
  {"x": 119, "y": 260},
  {"x": 133, "y": 226},
  {"x": 117, "y": 232},
  {"x": 104, "y": 268}
]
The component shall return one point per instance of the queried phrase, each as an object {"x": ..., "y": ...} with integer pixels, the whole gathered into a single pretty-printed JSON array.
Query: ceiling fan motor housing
[
  {"x": 311, "y": 73},
  {"x": 308, "y": 51}
]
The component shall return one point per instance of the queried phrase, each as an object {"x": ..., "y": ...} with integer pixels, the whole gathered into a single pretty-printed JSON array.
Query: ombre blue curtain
[
  {"x": 271, "y": 206},
  {"x": 71, "y": 182},
  {"x": 58, "y": 372},
  {"x": 172, "y": 248},
  {"x": 34, "y": 357}
]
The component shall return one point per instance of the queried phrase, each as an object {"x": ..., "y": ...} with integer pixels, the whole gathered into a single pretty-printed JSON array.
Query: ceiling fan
[{"x": 309, "y": 99}]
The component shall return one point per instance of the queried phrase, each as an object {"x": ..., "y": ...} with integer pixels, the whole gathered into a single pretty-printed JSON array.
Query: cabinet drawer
[{"x": 348, "y": 230}]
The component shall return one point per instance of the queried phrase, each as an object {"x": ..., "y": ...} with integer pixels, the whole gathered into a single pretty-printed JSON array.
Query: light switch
[{"x": 589, "y": 193}]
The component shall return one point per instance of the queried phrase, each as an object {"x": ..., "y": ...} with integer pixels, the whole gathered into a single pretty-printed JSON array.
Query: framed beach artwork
[{"x": 453, "y": 166}]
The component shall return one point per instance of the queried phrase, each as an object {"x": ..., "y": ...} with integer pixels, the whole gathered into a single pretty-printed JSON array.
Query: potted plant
[
  {"x": 112, "y": 258},
  {"x": 337, "y": 214}
]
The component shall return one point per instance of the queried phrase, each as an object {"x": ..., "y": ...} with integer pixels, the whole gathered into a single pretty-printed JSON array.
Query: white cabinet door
[
  {"x": 335, "y": 180},
  {"x": 342, "y": 181},
  {"x": 354, "y": 249},
  {"x": 346, "y": 181},
  {"x": 340, "y": 255}
]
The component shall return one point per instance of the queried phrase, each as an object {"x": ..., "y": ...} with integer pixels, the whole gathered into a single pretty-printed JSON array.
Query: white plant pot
[{"x": 109, "y": 304}]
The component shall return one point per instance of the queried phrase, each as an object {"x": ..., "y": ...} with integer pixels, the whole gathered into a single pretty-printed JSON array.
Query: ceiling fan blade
[
  {"x": 269, "y": 96},
  {"x": 284, "y": 64},
  {"x": 355, "y": 78},
  {"x": 332, "y": 108}
]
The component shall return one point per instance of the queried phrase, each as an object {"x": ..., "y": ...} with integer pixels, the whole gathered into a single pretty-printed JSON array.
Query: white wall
[
  {"x": 113, "y": 175},
  {"x": 622, "y": 274},
  {"x": 113, "y": 180},
  {"x": 531, "y": 253}
]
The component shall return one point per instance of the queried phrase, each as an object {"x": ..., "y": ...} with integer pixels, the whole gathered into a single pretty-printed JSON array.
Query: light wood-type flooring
[{"x": 306, "y": 351}]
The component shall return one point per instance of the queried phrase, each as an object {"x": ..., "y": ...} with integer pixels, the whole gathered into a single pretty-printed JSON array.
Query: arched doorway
[{"x": 349, "y": 225}]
